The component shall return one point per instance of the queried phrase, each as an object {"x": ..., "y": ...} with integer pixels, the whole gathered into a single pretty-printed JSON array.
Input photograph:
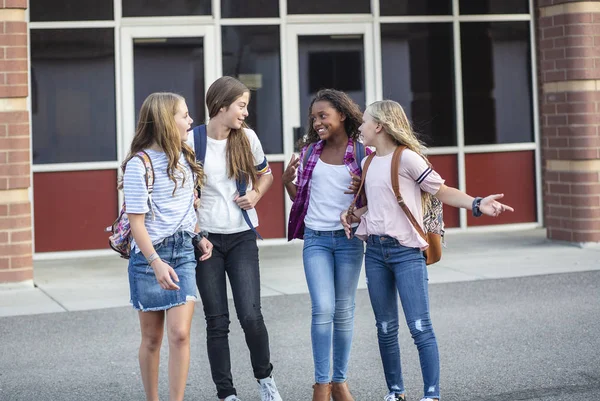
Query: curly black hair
[{"x": 344, "y": 105}]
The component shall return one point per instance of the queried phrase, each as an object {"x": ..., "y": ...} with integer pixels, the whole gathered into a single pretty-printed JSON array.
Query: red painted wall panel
[
  {"x": 73, "y": 208},
  {"x": 271, "y": 208},
  {"x": 447, "y": 167},
  {"x": 510, "y": 173}
]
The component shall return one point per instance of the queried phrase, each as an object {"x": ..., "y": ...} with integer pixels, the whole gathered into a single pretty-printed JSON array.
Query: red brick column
[
  {"x": 568, "y": 39},
  {"x": 15, "y": 160}
]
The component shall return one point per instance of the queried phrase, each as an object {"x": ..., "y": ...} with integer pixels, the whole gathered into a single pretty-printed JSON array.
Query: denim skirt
[{"x": 146, "y": 294}]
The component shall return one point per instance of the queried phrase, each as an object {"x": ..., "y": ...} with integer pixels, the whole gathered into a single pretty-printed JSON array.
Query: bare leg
[
  {"x": 152, "y": 327},
  {"x": 179, "y": 320}
]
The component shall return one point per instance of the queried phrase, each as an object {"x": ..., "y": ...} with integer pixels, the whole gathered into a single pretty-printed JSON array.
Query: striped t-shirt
[{"x": 172, "y": 213}]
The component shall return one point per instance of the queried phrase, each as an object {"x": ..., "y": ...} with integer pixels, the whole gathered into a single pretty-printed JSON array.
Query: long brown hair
[
  {"x": 240, "y": 161},
  {"x": 344, "y": 105},
  {"x": 156, "y": 124}
]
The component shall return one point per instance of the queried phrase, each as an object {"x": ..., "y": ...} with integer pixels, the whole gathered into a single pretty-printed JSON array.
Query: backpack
[
  {"x": 241, "y": 183},
  {"x": 433, "y": 218},
  {"x": 120, "y": 239}
]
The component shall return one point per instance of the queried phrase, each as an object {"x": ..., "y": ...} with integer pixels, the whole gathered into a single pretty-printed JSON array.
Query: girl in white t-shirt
[
  {"x": 394, "y": 261},
  {"x": 233, "y": 153},
  {"x": 162, "y": 263}
]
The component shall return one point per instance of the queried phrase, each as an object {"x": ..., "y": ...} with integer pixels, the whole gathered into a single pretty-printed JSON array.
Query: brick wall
[
  {"x": 15, "y": 156},
  {"x": 568, "y": 38}
]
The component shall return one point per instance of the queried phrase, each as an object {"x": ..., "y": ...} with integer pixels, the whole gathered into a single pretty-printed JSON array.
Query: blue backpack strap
[
  {"x": 200, "y": 143},
  {"x": 242, "y": 185},
  {"x": 359, "y": 153},
  {"x": 309, "y": 150}
]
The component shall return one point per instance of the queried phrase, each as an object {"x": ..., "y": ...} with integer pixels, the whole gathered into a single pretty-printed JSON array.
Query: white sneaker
[
  {"x": 232, "y": 398},
  {"x": 427, "y": 399},
  {"x": 268, "y": 390},
  {"x": 393, "y": 397}
]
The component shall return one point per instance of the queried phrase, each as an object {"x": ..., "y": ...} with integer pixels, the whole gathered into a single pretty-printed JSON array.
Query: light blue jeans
[
  {"x": 332, "y": 266},
  {"x": 395, "y": 269}
]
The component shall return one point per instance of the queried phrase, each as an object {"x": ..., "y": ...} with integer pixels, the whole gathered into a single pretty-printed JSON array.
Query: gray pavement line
[
  {"x": 273, "y": 289},
  {"x": 51, "y": 297},
  {"x": 480, "y": 277}
]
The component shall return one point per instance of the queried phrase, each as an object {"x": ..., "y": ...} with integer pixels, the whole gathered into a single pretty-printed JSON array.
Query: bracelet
[
  {"x": 475, "y": 207},
  {"x": 152, "y": 258}
]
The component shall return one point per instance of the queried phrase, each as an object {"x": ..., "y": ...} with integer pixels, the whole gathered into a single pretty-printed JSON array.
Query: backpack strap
[
  {"x": 200, "y": 143},
  {"x": 149, "y": 176},
  {"x": 359, "y": 152},
  {"x": 363, "y": 176},
  {"x": 309, "y": 150},
  {"x": 396, "y": 188}
]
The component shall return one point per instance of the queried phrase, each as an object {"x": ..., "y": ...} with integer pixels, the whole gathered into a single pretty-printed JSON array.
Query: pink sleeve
[{"x": 413, "y": 166}]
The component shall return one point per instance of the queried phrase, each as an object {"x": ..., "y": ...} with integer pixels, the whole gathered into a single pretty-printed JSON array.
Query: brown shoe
[
  {"x": 321, "y": 392},
  {"x": 340, "y": 392}
]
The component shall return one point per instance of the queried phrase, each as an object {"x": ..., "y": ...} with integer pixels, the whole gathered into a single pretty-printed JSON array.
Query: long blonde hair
[
  {"x": 156, "y": 124},
  {"x": 240, "y": 161},
  {"x": 396, "y": 124}
]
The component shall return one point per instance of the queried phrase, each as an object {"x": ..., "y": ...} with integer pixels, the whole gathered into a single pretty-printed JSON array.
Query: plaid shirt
[{"x": 304, "y": 175}]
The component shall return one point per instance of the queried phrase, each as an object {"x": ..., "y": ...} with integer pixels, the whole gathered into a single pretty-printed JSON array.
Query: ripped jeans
[{"x": 391, "y": 267}]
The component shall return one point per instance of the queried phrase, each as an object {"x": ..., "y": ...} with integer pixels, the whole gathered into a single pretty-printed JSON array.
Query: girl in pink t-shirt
[{"x": 394, "y": 260}]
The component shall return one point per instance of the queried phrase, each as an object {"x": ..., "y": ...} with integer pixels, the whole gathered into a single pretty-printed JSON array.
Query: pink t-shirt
[{"x": 384, "y": 215}]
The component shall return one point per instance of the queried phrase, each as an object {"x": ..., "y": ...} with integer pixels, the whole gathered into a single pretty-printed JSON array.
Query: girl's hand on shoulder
[
  {"x": 289, "y": 175},
  {"x": 206, "y": 247},
  {"x": 165, "y": 275},
  {"x": 247, "y": 201},
  {"x": 491, "y": 207}
]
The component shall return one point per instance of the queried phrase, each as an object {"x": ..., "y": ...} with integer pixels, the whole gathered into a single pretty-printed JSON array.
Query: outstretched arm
[{"x": 488, "y": 206}]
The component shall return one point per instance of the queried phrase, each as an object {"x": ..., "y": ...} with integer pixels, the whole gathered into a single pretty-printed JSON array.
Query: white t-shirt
[
  {"x": 327, "y": 197},
  {"x": 384, "y": 215},
  {"x": 172, "y": 213},
  {"x": 218, "y": 213}
]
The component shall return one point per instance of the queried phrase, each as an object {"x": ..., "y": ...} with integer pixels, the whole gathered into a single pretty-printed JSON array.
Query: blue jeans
[
  {"x": 332, "y": 266},
  {"x": 391, "y": 267}
]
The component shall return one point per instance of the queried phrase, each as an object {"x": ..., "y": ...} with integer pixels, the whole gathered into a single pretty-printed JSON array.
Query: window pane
[
  {"x": 251, "y": 54},
  {"x": 170, "y": 65},
  {"x": 329, "y": 7},
  {"x": 71, "y": 10},
  {"x": 494, "y": 6},
  {"x": 496, "y": 74},
  {"x": 412, "y": 7},
  {"x": 249, "y": 9},
  {"x": 418, "y": 73},
  {"x": 73, "y": 95},
  {"x": 165, "y": 8},
  {"x": 329, "y": 61}
]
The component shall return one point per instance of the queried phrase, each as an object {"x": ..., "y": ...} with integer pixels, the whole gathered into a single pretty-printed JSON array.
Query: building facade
[{"x": 503, "y": 92}]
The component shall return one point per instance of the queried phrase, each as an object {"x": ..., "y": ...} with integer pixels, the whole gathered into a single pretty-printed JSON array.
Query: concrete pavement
[{"x": 101, "y": 282}]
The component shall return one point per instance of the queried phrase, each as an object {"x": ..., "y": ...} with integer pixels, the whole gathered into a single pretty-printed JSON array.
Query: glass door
[
  {"x": 337, "y": 56},
  {"x": 165, "y": 59}
]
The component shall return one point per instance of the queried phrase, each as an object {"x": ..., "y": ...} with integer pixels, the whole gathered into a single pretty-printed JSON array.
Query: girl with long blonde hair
[
  {"x": 394, "y": 260},
  {"x": 162, "y": 262}
]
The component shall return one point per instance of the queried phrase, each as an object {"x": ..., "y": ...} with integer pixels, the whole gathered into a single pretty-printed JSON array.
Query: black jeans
[{"x": 237, "y": 255}]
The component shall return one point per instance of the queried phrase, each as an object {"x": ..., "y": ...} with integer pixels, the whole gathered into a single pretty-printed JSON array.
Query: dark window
[
  {"x": 329, "y": 7},
  {"x": 249, "y": 9},
  {"x": 341, "y": 70},
  {"x": 412, "y": 7},
  {"x": 73, "y": 95},
  {"x": 496, "y": 74},
  {"x": 165, "y": 8},
  {"x": 418, "y": 73},
  {"x": 170, "y": 65},
  {"x": 494, "y": 6},
  {"x": 71, "y": 10},
  {"x": 251, "y": 54}
]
